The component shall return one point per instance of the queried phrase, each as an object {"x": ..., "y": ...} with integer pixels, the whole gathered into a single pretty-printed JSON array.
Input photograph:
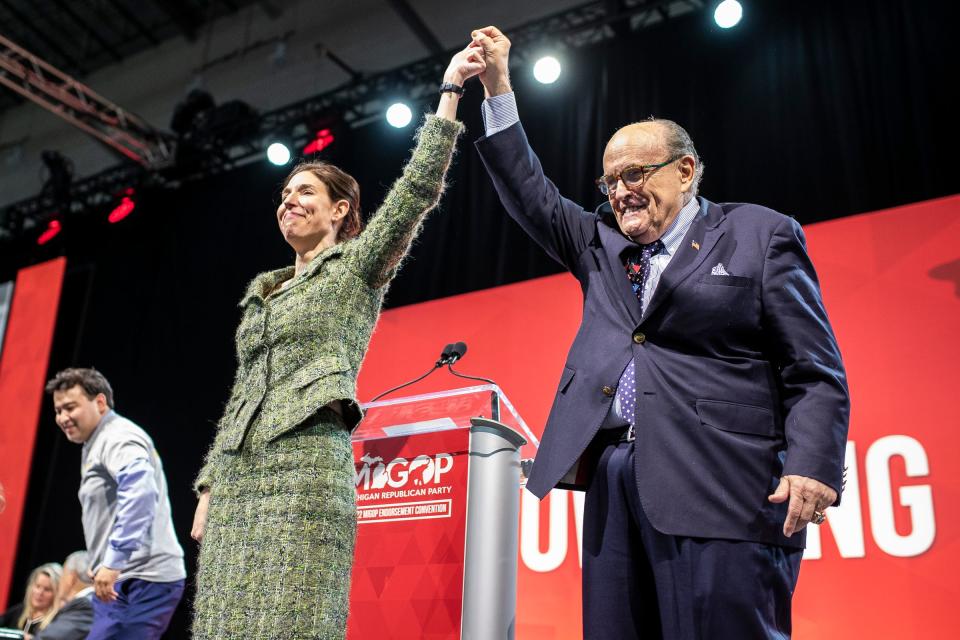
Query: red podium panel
[{"x": 411, "y": 516}]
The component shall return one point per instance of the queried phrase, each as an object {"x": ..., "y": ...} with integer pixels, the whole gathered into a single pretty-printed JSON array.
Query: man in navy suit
[{"x": 703, "y": 405}]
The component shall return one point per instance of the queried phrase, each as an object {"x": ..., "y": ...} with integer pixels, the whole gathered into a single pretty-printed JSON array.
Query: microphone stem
[
  {"x": 494, "y": 396},
  {"x": 461, "y": 375},
  {"x": 407, "y": 384}
]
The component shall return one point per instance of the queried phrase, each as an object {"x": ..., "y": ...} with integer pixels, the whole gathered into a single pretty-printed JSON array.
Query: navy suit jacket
[{"x": 739, "y": 379}]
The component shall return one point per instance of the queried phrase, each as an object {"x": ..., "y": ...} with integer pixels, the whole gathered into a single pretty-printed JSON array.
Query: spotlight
[
  {"x": 547, "y": 70},
  {"x": 53, "y": 228},
  {"x": 728, "y": 14},
  {"x": 123, "y": 209},
  {"x": 278, "y": 153},
  {"x": 323, "y": 139},
  {"x": 399, "y": 115}
]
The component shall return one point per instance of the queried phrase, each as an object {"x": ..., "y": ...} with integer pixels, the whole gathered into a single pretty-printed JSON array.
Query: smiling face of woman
[
  {"x": 41, "y": 594},
  {"x": 308, "y": 217}
]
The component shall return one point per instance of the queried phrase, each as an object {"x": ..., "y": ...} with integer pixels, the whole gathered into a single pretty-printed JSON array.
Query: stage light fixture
[
  {"x": 547, "y": 70},
  {"x": 53, "y": 228},
  {"x": 321, "y": 140},
  {"x": 399, "y": 115},
  {"x": 123, "y": 209},
  {"x": 57, "y": 176},
  {"x": 728, "y": 14},
  {"x": 187, "y": 113},
  {"x": 278, "y": 153}
]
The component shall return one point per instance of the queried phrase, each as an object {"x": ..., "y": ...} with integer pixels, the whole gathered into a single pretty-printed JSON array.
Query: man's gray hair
[
  {"x": 679, "y": 143},
  {"x": 78, "y": 562}
]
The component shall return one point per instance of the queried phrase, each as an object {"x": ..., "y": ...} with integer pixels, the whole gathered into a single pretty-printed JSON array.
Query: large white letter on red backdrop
[
  {"x": 884, "y": 565},
  {"x": 918, "y": 499}
]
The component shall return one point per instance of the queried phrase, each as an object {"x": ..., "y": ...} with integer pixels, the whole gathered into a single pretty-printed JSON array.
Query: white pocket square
[{"x": 719, "y": 270}]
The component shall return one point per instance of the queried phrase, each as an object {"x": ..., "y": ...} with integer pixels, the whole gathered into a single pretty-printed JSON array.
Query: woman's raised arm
[{"x": 380, "y": 248}]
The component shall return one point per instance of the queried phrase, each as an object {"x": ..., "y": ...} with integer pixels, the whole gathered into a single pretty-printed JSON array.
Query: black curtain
[{"x": 818, "y": 109}]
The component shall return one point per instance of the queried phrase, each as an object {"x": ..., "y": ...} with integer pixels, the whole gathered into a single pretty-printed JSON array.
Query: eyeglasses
[{"x": 633, "y": 176}]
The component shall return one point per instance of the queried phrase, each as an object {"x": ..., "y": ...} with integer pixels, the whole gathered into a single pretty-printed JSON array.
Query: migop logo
[{"x": 423, "y": 469}]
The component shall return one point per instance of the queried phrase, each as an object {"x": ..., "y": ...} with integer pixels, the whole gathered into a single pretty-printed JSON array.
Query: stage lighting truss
[
  {"x": 62, "y": 95},
  {"x": 221, "y": 146}
]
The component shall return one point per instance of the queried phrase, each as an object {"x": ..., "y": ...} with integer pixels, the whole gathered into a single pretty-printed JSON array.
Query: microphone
[
  {"x": 457, "y": 351},
  {"x": 444, "y": 355},
  {"x": 450, "y": 354}
]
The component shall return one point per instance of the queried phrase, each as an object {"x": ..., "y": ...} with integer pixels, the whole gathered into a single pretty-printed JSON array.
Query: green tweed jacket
[{"x": 300, "y": 347}]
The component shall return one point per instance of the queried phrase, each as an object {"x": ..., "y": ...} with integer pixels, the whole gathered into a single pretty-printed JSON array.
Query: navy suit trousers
[{"x": 641, "y": 583}]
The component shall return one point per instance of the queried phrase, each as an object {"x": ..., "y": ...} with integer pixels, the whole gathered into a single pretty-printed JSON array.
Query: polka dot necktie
[
  {"x": 638, "y": 270},
  {"x": 638, "y": 267}
]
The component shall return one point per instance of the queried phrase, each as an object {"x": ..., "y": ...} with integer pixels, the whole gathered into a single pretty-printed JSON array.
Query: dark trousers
[
  {"x": 640, "y": 583},
  {"x": 141, "y": 611}
]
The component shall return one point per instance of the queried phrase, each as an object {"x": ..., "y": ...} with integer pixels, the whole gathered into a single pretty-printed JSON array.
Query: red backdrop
[
  {"x": 884, "y": 565},
  {"x": 26, "y": 350}
]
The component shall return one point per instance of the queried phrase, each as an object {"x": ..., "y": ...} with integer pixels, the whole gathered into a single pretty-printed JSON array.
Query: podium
[{"x": 438, "y": 480}]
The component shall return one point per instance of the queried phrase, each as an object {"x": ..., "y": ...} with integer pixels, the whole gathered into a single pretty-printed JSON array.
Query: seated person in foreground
[{"x": 75, "y": 616}]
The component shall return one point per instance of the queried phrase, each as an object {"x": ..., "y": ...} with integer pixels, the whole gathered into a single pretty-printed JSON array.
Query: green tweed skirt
[{"x": 275, "y": 560}]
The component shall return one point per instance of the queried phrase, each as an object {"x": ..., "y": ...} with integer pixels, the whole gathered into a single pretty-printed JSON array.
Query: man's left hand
[
  {"x": 807, "y": 496},
  {"x": 103, "y": 584}
]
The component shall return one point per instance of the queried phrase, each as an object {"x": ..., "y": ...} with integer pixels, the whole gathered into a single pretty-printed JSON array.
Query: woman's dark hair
[
  {"x": 341, "y": 186},
  {"x": 90, "y": 380}
]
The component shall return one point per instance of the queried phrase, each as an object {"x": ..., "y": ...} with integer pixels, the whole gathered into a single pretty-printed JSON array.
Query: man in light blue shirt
[{"x": 134, "y": 556}]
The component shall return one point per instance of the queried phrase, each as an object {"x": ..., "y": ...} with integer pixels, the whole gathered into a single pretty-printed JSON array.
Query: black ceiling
[{"x": 82, "y": 37}]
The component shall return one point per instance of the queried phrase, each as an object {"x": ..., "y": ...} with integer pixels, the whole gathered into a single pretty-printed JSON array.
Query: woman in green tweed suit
[{"x": 276, "y": 515}]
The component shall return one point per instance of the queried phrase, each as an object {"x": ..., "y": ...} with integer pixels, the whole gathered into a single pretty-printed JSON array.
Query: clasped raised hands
[
  {"x": 496, "y": 54},
  {"x": 464, "y": 64},
  {"x": 487, "y": 56}
]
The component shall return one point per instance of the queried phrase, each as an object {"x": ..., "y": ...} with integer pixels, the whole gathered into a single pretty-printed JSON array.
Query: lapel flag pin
[{"x": 695, "y": 245}]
